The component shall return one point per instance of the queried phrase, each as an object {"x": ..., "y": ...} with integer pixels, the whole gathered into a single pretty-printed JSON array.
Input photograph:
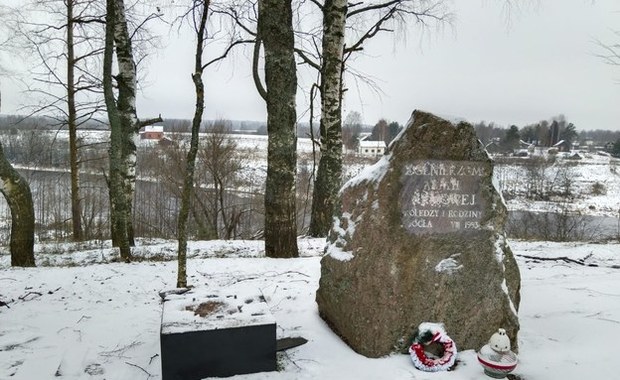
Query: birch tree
[
  {"x": 275, "y": 30},
  {"x": 329, "y": 174},
  {"x": 124, "y": 125},
  {"x": 365, "y": 20},
  {"x": 362, "y": 21}
]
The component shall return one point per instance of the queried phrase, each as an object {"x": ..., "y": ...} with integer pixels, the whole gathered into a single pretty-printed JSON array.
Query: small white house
[{"x": 370, "y": 148}]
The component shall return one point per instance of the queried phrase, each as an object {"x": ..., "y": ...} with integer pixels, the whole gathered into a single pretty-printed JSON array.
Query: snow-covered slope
[{"x": 102, "y": 321}]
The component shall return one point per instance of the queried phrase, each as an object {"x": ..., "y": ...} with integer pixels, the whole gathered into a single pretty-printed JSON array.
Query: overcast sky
[{"x": 532, "y": 64}]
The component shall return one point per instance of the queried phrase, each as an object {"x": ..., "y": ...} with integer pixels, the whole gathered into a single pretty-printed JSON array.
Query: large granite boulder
[{"x": 420, "y": 237}]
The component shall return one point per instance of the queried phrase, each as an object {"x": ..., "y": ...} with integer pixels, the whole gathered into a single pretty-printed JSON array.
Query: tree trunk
[
  {"x": 216, "y": 207},
  {"x": 17, "y": 193},
  {"x": 275, "y": 28},
  {"x": 188, "y": 183},
  {"x": 118, "y": 212},
  {"x": 76, "y": 210},
  {"x": 126, "y": 105},
  {"x": 124, "y": 126},
  {"x": 329, "y": 174}
]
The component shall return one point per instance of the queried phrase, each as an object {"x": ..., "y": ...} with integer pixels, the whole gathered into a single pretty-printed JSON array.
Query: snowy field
[
  {"x": 81, "y": 316},
  {"x": 247, "y": 142},
  {"x": 580, "y": 177}
]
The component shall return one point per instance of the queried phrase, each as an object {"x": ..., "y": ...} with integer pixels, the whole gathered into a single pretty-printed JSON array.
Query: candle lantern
[{"x": 496, "y": 357}]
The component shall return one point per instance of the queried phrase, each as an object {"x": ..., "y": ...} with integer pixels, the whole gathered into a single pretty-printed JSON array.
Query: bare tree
[
  {"x": 17, "y": 193},
  {"x": 365, "y": 20},
  {"x": 198, "y": 12},
  {"x": 275, "y": 29},
  {"x": 220, "y": 159},
  {"x": 351, "y": 129},
  {"x": 328, "y": 56},
  {"x": 329, "y": 174},
  {"x": 124, "y": 125},
  {"x": 67, "y": 45}
]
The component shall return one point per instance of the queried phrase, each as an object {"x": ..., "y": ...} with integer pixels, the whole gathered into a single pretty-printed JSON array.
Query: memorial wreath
[{"x": 432, "y": 333}]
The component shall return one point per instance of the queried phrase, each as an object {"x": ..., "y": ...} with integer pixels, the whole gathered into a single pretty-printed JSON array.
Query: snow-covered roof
[
  {"x": 154, "y": 128},
  {"x": 372, "y": 144}
]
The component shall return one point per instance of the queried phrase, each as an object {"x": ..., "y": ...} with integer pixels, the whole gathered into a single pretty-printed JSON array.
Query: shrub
[
  {"x": 599, "y": 189},
  {"x": 552, "y": 226}
]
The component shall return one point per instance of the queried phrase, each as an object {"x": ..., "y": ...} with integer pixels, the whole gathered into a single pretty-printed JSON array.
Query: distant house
[
  {"x": 370, "y": 148},
  {"x": 609, "y": 147},
  {"x": 562, "y": 146},
  {"x": 152, "y": 132}
]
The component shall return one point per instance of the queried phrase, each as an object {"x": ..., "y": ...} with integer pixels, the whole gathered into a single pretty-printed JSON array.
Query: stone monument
[{"x": 420, "y": 237}]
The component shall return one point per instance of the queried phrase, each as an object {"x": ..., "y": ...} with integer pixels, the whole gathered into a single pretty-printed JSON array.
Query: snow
[
  {"x": 181, "y": 312},
  {"x": 581, "y": 175},
  {"x": 337, "y": 253},
  {"x": 86, "y": 317},
  {"x": 511, "y": 177},
  {"x": 334, "y": 249},
  {"x": 372, "y": 174},
  {"x": 83, "y": 315},
  {"x": 434, "y": 328},
  {"x": 154, "y": 128},
  {"x": 449, "y": 265}
]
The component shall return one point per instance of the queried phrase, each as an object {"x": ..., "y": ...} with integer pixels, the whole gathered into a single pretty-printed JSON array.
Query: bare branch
[
  {"x": 144, "y": 123},
  {"x": 370, "y": 33},
  {"x": 147, "y": 19},
  {"x": 396, "y": 10},
  {"x": 257, "y": 81},
  {"x": 307, "y": 59},
  {"x": 237, "y": 19},
  {"x": 315, "y": 2},
  {"x": 610, "y": 53},
  {"x": 228, "y": 49},
  {"x": 372, "y": 7},
  {"x": 143, "y": 370}
]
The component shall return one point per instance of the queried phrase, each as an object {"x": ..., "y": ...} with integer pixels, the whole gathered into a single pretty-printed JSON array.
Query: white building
[{"x": 370, "y": 148}]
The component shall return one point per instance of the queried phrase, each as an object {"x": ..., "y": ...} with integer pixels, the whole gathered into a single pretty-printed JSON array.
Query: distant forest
[{"x": 540, "y": 133}]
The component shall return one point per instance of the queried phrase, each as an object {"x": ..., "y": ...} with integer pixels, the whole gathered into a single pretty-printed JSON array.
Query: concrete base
[{"x": 224, "y": 343}]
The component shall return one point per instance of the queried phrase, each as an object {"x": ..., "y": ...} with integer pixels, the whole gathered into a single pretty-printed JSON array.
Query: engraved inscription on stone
[{"x": 442, "y": 196}]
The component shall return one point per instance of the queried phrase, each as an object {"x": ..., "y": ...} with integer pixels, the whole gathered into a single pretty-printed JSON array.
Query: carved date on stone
[{"x": 442, "y": 196}]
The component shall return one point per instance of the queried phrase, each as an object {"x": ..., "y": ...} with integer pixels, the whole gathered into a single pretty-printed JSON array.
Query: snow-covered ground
[
  {"x": 81, "y": 316},
  {"x": 592, "y": 181}
]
